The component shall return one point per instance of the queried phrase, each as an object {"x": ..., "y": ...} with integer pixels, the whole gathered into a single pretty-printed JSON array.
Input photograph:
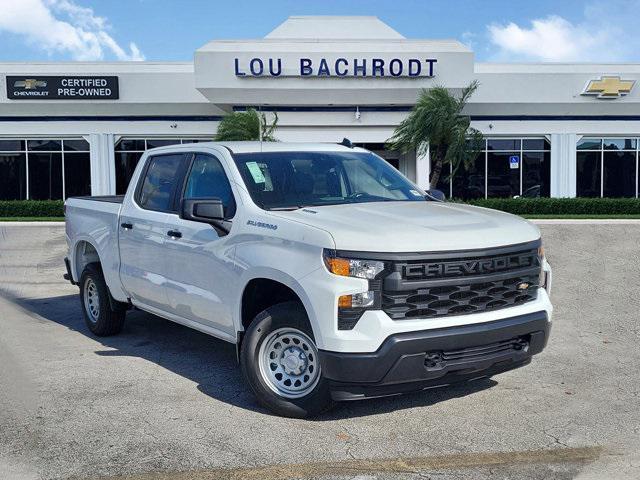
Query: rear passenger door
[
  {"x": 144, "y": 223},
  {"x": 199, "y": 268}
]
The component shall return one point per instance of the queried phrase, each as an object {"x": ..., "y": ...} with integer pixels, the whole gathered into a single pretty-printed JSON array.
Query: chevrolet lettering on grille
[{"x": 467, "y": 267}]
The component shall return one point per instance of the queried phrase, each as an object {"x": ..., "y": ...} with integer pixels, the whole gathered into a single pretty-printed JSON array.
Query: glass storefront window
[
  {"x": 619, "y": 174},
  {"x": 511, "y": 144},
  {"x": 588, "y": 174},
  {"x": 76, "y": 145},
  {"x": 502, "y": 179},
  {"x": 607, "y": 167},
  {"x": 536, "y": 174},
  {"x": 13, "y": 175},
  {"x": 44, "y": 145},
  {"x": 495, "y": 173},
  {"x": 55, "y": 168},
  {"x": 589, "y": 144},
  {"x": 619, "y": 144},
  {"x": 540, "y": 144},
  {"x": 45, "y": 179},
  {"x": 77, "y": 174},
  {"x": 11, "y": 145},
  {"x": 126, "y": 163},
  {"x": 469, "y": 183}
]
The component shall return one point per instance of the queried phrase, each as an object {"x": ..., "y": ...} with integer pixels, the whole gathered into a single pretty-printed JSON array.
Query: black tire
[
  {"x": 282, "y": 315},
  {"x": 108, "y": 320}
]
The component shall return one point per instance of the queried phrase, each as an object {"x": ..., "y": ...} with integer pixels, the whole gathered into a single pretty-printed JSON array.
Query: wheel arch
[
  {"x": 265, "y": 288},
  {"x": 84, "y": 253}
]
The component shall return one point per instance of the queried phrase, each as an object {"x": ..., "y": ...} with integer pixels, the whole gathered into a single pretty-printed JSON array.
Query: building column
[
  {"x": 423, "y": 167},
  {"x": 103, "y": 163},
  {"x": 563, "y": 164}
]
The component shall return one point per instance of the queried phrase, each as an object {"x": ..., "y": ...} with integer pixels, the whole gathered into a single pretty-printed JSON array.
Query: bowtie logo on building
[
  {"x": 30, "y": 84},
  {"x": 609, "y": 87}
]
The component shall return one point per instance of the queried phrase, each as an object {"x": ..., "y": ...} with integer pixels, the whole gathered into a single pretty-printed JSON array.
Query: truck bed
[{"x": 96, "y": 220}]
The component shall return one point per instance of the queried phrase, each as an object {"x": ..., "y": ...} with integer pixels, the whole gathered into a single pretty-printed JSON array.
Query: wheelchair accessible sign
[{"x": 514, "y": 162}]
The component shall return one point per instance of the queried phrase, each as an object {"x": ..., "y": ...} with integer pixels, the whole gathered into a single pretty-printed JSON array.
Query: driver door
[{"x": 201, "y": 279}]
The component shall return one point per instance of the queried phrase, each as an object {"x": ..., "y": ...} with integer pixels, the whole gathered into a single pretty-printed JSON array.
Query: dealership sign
[
  {"x": 338, "y": 67},
  {"x": 62, "y": 88}
]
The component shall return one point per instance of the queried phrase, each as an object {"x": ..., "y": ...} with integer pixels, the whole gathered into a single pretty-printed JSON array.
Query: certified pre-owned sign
[{"x": 62, "y": 88}]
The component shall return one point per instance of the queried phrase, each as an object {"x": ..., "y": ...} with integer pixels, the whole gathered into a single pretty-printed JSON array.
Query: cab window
[
  {"x": 207, "y": 179},
  {"x": 160, "y": 182}
]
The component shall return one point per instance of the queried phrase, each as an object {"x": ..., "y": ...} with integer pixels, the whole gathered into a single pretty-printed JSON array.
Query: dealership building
[{"x": 559, "y": 130}]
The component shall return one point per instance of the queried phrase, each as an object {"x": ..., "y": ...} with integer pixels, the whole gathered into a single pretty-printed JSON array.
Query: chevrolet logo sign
[
  {"x": 608, "y": 87},
  {"x": 30, "y": 84}
]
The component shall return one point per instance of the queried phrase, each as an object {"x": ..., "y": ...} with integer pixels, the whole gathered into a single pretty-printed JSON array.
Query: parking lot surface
[{"x": 163, "y": 401}]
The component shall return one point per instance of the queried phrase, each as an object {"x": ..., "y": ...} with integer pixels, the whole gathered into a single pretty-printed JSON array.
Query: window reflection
[
  {"x": 588, "y": 174},
  {"x": 618, "y": 174},
  {"x": 528, "y": 174},
  {"x": 55, "y": 168},
  {"x": 607, "y": 167},
  {"x": 13, "y": 176}
]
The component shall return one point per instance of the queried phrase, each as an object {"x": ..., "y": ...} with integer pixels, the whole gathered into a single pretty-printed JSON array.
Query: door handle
[
  {"x": 127, "y": 226},
  {"x": 174, "y": 234}
]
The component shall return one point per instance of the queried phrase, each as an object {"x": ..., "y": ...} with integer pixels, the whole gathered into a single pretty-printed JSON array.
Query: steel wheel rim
[
  {"x": 289, "y": 363},
  {"x": 91, "y": 300}
]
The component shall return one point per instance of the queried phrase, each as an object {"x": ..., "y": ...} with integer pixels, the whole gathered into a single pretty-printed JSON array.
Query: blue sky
[{"x": 497, "y": 30}]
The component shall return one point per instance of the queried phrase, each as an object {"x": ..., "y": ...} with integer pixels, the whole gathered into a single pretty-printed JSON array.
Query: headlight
[{"x": 345, "y": 267}]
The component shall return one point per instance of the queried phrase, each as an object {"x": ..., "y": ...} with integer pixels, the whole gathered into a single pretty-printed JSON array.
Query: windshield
[{"x": 288, "y": 180}]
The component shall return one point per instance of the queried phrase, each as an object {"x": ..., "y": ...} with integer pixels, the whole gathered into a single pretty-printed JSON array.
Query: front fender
[{"x": 279, "y": 276}]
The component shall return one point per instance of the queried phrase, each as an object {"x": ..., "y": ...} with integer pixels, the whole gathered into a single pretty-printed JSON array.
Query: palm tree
[
  {"x": 437, "y": 123},
  {"x": 248, "y": 125}
]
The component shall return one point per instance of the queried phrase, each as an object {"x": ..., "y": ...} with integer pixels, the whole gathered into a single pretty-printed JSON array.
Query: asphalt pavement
[{"x": 163, "y": 401}]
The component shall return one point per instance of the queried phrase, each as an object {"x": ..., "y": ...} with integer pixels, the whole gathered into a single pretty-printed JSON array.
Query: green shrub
[
  {"x": 31, "y": 208},
  {"x": 561, "y": 206}
]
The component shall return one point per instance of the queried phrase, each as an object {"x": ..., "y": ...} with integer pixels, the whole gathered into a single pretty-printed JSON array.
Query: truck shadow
[{"x": 209, "y": 362}]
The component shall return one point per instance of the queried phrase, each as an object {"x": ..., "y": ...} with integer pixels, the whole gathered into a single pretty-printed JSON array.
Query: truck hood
[{"x": 415, "y": 226}]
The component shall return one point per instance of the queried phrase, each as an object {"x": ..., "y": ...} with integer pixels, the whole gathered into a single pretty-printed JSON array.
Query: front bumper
[{"x": 429, "y": 358}]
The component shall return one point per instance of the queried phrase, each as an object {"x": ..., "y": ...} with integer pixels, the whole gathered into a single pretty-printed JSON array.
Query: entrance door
[
  {"x": 143, "y": 227},
  {"x": 201, "y": 280}
]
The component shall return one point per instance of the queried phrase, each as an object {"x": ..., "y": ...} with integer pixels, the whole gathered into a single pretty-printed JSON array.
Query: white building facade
[{"x": 559, "y": 130}]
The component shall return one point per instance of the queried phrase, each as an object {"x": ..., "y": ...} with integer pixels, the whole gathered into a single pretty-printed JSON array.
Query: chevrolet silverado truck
[{"x": 335, "y": 276}]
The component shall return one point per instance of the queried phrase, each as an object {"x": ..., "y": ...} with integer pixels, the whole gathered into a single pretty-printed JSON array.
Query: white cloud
[
  {"x": 63, "y": 26},
  {"x": 598, "y": 36}
]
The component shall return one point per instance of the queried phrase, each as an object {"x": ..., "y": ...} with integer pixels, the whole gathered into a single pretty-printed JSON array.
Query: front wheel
[{"x": 280, "y": 361}]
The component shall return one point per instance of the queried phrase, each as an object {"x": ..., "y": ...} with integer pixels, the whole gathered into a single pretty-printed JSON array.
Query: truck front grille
[
  {"x": 459, "y": 299},
  {"x": 455, "y": 283}
]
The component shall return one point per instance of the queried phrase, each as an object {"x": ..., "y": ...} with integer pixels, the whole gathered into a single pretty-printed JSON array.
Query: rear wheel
[
  {"x": 99, "y": 315},
  {"x": 279, "y": 359}
]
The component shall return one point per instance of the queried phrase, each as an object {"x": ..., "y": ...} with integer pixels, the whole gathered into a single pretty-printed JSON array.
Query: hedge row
[
  {"x": 562, "y": 206},
  {"x": 31, "y": 208},
  {"x": 519, "y": 206}
]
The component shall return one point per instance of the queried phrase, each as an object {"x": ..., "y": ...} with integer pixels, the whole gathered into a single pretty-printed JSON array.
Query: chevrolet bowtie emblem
[
  {"x": 609, "y": 87},
  {"x": 30, "y": 84}
]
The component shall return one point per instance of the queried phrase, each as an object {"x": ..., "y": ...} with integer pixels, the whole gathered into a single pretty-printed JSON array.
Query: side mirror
[
  {"x": 437, "y": 194},
  {"x": 205, "y": 210}
]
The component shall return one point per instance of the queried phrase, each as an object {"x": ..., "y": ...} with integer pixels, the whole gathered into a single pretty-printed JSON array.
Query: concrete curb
[{"x": 586, "y": 221}]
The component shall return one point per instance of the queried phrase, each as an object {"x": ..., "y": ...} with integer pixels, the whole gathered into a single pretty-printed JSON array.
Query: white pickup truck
[{"x": 336, "y": 277}]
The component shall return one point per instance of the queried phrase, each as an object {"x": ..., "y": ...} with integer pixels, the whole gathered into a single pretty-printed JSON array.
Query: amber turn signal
[
  {"x": 338, "y": 266},
  {"x": 345, "y": 301}
]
